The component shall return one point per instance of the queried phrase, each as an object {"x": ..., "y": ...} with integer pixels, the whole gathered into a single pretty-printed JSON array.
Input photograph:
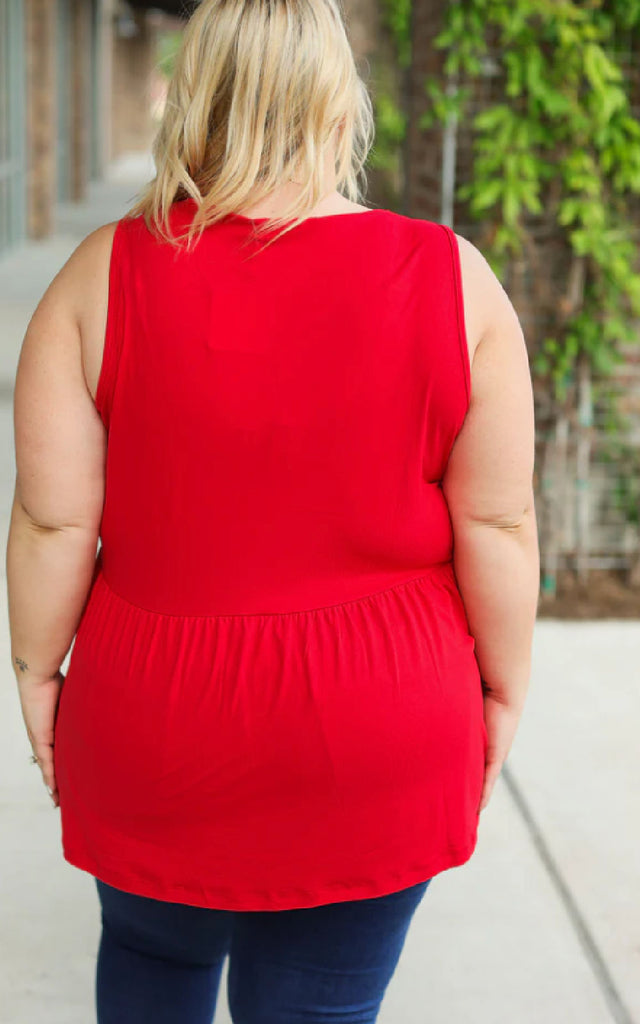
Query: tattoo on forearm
[{"x": 22, "y": 665}]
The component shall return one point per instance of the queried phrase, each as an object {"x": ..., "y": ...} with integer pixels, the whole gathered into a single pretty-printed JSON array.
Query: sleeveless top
[{"x": 273, "y": 699}]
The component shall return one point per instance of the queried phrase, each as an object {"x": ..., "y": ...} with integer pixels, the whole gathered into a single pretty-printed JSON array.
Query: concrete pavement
[{"x": 541, "y": 926}]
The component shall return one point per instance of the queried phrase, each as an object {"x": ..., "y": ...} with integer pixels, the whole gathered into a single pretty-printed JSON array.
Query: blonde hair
[{"x": 260, "y": 88}]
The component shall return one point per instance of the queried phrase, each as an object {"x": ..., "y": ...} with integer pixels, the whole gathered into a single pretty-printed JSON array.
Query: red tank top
[{"x": 273, "y": 699}]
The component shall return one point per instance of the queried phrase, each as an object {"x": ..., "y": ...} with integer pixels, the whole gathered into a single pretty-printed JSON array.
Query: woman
[{"x": 303, "y": 649}]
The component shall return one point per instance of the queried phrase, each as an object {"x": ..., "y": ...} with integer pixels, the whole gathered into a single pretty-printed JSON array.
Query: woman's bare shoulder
[
  {"x": 487, "y": 306},
  {"x": 489, "y": 473},
  {"x": 92, "y": 260}
]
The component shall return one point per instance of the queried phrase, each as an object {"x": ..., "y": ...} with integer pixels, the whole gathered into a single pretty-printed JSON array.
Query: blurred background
[
  {"x": 518, "y": 128},
  {"x": 517, "y": 123}
]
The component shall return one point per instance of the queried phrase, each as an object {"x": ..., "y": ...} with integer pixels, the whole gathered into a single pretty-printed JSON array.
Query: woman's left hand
[{"x": 39, "y": 700}]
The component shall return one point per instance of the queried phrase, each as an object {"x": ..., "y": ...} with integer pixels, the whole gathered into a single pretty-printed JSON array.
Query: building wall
[
  {"x": 80, "y": 73},
  {"x": 63, "y": 64},
  {"x": 58, "y": 88},
  {"x": 537, "y": 285},
  {"x": 12, "y": 100},
  {"x": 133, "y": 58},
  {"x": 424, "y": 149},
  {"x": 41, "y": 123}
]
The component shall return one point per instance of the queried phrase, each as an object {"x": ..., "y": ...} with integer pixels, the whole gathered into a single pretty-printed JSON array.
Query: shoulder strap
[
  {"x": 114, "y": 326},
  {"x": 459, "y": 307}
]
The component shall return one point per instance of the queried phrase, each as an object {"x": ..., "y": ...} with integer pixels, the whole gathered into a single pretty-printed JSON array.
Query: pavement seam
[{"x": 612, "y": 996}]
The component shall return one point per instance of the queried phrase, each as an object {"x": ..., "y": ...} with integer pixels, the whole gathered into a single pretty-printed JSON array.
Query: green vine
[
  {"x": 391, "y": 127},
  {"x": 561, "y": 143},
  {"x": 396, "y": 17},
  {"x": 390, "y": 118},
  {"x": 625, "y": 491}
]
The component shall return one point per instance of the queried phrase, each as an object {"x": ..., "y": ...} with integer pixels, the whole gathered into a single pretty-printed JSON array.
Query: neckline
[{"x": 323, "y": 216}]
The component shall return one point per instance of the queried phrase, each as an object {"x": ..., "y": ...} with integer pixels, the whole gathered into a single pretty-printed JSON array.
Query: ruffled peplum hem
[{"x": 272, "y": 761}]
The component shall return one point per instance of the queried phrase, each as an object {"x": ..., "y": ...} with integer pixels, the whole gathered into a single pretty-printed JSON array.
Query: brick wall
[
  {"x": 423, "y": 154},
  {"x": 42, "y": 113},
  {"x": 80, "y": 72},
  {"x": 41, "y": 116},
  {"x": 132, "y": 60},
  {"x": 537, "y": 283}
]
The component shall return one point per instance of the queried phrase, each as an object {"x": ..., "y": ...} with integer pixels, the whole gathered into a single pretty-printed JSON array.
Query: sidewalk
[{"x": 539, "y": 927}]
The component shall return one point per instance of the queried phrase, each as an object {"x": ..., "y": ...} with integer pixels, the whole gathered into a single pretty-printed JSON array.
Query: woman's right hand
[{"x": 501, "y": 722}]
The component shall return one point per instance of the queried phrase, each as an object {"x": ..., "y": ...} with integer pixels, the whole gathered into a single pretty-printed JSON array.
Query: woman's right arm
[{"x": 488, "y": 485}]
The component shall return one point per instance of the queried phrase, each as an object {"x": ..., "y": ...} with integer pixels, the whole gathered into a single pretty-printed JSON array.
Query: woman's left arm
[{"x": 60, "y": 448}]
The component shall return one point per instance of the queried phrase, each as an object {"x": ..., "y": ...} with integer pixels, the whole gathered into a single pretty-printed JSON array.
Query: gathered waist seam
[{"x": 271, "y": 615}]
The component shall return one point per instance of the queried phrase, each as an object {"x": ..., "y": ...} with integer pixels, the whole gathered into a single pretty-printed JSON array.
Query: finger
[
  {"x": 491, "y": 774},
  {"x": 44, "y": 753},
  {"x": 486, "y": 796},
  {"x": 53, "y": 793}
]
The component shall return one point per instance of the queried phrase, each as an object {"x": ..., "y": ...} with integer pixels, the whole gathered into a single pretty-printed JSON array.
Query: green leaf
[
  {"x": 555, "y": 135},
  {"x": 487, "y": 193}
]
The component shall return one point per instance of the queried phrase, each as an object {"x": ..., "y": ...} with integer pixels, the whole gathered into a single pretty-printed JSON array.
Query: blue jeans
[{"x": 160, "y": 962}]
